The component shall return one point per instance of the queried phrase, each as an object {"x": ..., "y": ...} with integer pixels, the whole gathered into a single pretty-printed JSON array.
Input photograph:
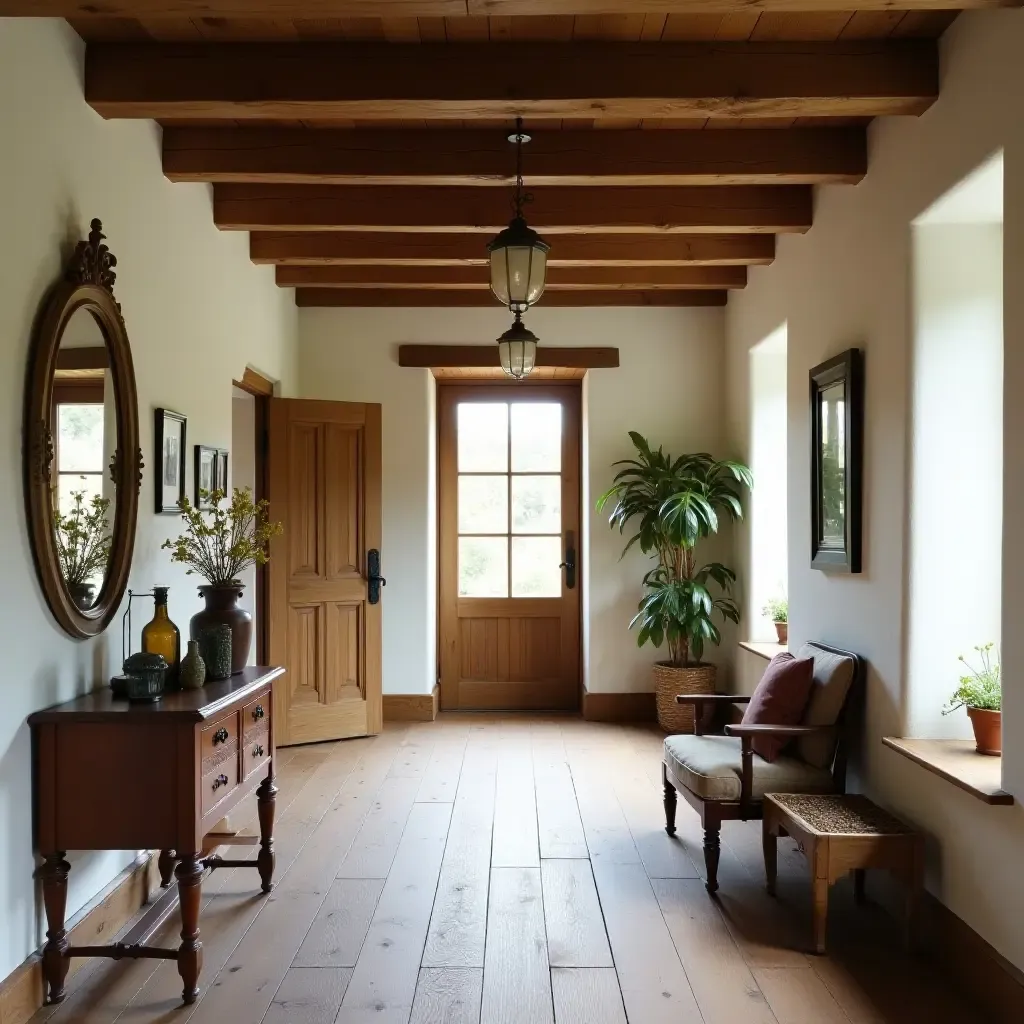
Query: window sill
[
  {"x": 957, "y": 762},
  {"x": 763, "y": 649}
]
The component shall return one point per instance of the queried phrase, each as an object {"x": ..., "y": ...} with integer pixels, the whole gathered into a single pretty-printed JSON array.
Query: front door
[
  {"x": 509, "y": 509},
  {"x": 324, "y": 474}
]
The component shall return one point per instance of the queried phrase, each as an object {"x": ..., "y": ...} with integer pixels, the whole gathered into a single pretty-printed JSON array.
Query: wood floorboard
[
  {"x": 448, "y": 995},
  {"x": 586, "y": 996},
  {"x": 517, "y": 981},
  {"x": 511, "y": 869}
]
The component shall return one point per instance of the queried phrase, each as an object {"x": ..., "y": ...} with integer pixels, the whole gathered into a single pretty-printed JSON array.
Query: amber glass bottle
[{"x": 161, "y": 636}]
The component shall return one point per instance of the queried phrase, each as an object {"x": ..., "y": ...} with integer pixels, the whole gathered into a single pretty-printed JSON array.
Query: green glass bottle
[{"x": 161, "y": 636}]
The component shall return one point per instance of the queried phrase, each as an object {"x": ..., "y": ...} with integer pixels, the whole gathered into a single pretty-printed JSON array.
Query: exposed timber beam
[
  {"x": 437, "y": 357},
  {"x": 285, "y": 9},
  {"x": 400, "y": 297},
  {"x": 469, "y": 278},
  {"x": 341, "y": 248},
  {"x": 800, "y": 156},
  {"x": 722, "y": 209},
  {"x": 291, "y": 81}
]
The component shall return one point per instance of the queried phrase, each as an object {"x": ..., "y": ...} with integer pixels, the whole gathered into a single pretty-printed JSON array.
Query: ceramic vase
[
  {"x": 83, "y": 594},
  {"x": 192, "y": 671},
  {"x": 215, "y": 647},
  {"x": 222, "y": 609}
]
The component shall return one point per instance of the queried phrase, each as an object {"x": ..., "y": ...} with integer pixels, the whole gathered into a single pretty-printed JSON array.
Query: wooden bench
[{"x": 839, "y": 834}]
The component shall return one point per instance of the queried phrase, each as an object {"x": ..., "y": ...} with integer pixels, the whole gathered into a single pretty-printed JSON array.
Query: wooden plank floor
[{"x": 511, "y": 869}]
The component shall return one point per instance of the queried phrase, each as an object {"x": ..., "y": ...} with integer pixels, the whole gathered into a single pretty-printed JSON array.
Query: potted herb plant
[
  {"x": 981, "y": 693},
  {"x": 83, "y": 545},
  {"x": 777, "y": 609},
  {"x": 673, "y": 503},
  {"x": 218, "y": 544}
]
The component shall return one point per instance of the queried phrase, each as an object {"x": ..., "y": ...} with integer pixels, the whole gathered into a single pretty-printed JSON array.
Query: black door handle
[
  {"x": 569, "y": 565},
  {"x": 374, "y": 580}
]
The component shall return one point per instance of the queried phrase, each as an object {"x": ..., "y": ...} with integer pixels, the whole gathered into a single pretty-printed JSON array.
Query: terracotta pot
[
  {"x": 670, "y": 680},
  {"x": 988, "y": 730},
  {"x": 222, "y": 608},
  {"x": 782, "y": 632}
]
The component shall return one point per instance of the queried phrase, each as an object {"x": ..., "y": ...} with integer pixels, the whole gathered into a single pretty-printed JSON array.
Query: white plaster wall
[
  {"x": 242, "y": 473},
  {"x": 848, "y": 282},
  {"x": 197, "y": 312},
  {"x": 668, "y": 387}
]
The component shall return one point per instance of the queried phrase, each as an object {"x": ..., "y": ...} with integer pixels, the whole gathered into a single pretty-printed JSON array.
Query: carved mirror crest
[{"x": 83, "y": 462}]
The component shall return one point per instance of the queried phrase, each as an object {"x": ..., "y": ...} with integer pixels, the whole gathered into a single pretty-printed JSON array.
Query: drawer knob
[
  {"x": 257, "y": 751},
  {"x": 258, "y": 712},
  {"x": 221, "y": 780},
  {"x": 220, "y": 736}
]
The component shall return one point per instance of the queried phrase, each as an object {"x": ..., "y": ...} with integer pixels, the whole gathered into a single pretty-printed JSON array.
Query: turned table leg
[
  {"x": 54, "y": 874},
  {"x": 266, "y": 799},
  {"x": 670, "y": 802},
  {"x": 189, "y": 873},
  {"x": 165, "y": 864}
]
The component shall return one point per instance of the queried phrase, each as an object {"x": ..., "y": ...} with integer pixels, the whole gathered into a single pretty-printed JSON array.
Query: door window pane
[
  {"x": 483, "y": 504},
  {"x": 483, "y": 567},
  {"x": 536, "y": 504},
  {"x": 535, "y": 569},
  {"x": 536, "y": 437},
  {"x": 79, "y": 438},
  {"x": 483, "y": 437},
  {"x": 69, "y": 483}
]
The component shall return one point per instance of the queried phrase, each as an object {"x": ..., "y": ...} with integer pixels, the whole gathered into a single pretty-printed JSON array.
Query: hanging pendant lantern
[
  {"x": 518, "y": 254},
  {"x": 517, "y": 349}
]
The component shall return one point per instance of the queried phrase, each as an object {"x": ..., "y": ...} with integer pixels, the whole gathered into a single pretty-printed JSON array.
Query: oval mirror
[{"x": 83, "y": 463}]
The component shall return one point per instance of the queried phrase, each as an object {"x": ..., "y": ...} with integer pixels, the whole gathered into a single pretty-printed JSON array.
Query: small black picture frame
[
  {"x": 837, "y": 432},
  {"x": 169, "y": 460},
  {"x": 211, "y": 473}
]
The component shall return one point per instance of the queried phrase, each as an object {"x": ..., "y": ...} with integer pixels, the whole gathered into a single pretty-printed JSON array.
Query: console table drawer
[
  {"x": 220, "y": 739},
  {"x": 256, "y": 716},
  {"x": 255, "y": 753},
  {"x": 218, "y": 783}
]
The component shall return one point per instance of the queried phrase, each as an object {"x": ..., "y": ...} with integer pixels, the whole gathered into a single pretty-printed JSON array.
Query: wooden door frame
[
  {"x": 490, "y": 383},
  {"x": 262, "y": 390}
]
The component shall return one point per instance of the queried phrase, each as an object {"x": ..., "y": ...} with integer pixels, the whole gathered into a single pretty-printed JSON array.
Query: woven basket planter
[{"x": 668, "y": 681}]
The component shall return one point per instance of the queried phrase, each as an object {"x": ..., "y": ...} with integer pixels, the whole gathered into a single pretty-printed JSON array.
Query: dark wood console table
[{"x": 110, "y": 775}]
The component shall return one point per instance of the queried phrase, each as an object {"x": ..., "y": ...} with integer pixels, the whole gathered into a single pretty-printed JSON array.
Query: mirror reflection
[{"x": 83, "y": 424}]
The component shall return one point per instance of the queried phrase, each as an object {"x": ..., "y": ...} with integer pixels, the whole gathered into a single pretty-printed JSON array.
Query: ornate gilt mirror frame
[{"x": 87, "y": 284}]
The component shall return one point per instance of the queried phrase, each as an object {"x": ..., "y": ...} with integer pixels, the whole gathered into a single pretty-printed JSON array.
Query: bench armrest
[{"x": 790, "y": 731}]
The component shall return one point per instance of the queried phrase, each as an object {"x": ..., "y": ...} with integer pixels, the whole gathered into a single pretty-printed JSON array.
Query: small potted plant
[
  {"x": 674, "y": 503},
  {"x": 83, "y": 545},
  {"x": 777, "y": 609},
  {"x": 981, "y": 693},
  {"x": 218, "y": 544}
]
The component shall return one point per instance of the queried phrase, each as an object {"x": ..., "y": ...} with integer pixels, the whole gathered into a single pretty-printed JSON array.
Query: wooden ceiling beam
[
  {"x": 293, "y": 81},
  {"x": 724, "y": 209},
  {"x": 285, "y": 9},
  {"x": 558, "y": 278},
  {"x": 437, "y": 357},
  {"x": 799, "y": 156},
  {"x": 311, "y": 297},
  {"x": 342, "y": 248}
]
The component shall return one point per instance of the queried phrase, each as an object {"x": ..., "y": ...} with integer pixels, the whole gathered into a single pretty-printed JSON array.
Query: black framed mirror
[
  {"x": 82, "y": 459},
  {"x": 837, "y": 429}
]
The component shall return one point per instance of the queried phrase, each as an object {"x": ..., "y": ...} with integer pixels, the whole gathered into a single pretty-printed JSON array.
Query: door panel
[
  {"x": 509, "y": 506},
  {"x": 324, "y": 485}
]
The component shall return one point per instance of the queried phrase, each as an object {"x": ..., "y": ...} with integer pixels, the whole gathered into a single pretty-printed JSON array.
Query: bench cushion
[
  {"x": 833, "y": 675},
  {"x": 711, "y": 767}
]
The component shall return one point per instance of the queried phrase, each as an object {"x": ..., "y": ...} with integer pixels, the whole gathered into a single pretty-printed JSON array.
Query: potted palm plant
[
  {"x": 777, "y": 609},
  {"x": 673, "y": 503},
  {"x": 981, "y": 693}
]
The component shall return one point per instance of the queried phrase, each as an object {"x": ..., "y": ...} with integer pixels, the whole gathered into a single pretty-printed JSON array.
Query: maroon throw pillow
[{"x": 780, "y": 699}]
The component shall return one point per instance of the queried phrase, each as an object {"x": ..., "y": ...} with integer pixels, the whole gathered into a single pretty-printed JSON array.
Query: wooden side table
[{"x": 837, "y": 835}]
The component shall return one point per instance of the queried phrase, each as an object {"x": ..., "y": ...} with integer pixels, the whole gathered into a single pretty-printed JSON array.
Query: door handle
[
  {"x": 569, "y": 565},
  {"x": 374, "y": 580}
]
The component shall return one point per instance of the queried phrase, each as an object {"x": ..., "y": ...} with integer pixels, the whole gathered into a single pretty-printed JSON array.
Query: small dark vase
[
  {"x": 215, "y": 647},
  {"x": 83, "y": 594},
  {"x": 222, "y": 609}
]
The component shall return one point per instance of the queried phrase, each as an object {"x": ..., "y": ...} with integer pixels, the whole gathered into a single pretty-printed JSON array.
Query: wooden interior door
[
  {"x": 324, "y": 473},
  {"x": 509, "y": 521}
]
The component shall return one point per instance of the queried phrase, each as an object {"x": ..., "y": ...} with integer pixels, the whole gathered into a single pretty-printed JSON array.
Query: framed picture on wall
[
  {"x": 169, "y": 460},
  {"x": 211, "y": 473},
  {"x": 837, "y": 430}
]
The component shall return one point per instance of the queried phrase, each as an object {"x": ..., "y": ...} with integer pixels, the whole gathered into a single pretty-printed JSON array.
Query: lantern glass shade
[
  {"x": 519, "y": 259},
  {"x": 517, "y": 351}
]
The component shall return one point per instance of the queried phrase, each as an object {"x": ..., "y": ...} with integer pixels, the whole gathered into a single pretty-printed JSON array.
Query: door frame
[
  {"x": 262, "y": 390},
  {"x": 490, "y": 383}
]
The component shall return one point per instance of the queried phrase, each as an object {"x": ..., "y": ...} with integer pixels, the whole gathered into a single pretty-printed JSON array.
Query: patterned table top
[{"x": 830, "y": 814}]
